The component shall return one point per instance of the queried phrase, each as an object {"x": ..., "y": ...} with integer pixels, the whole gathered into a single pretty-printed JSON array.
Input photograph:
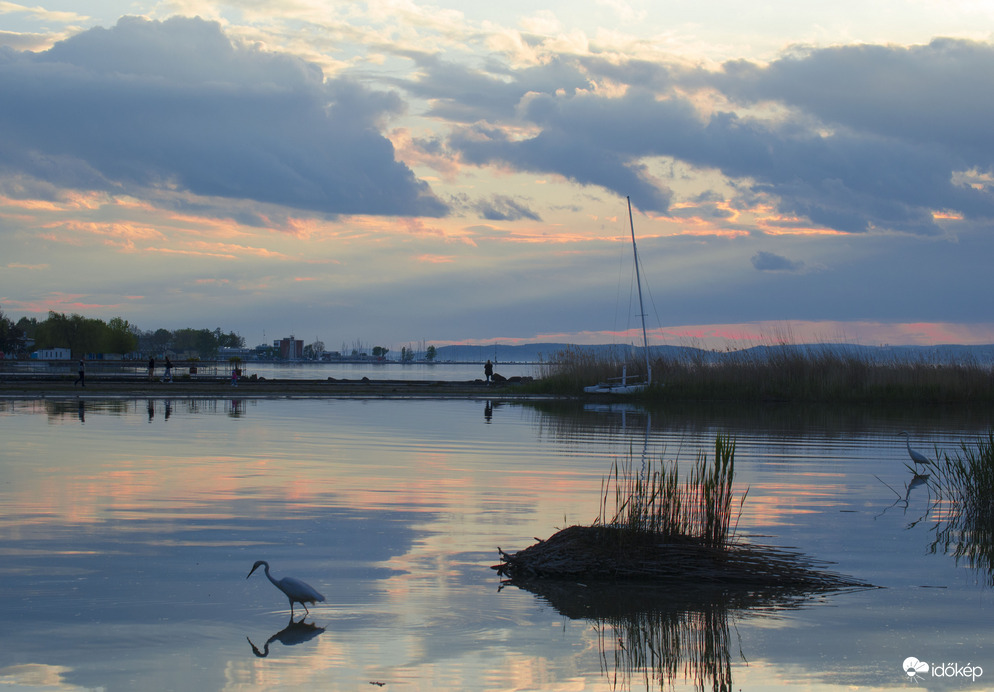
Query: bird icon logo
[{"x": 913, "y": 667}]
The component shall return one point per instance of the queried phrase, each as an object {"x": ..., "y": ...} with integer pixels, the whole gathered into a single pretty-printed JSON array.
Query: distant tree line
[
  {"x": 82, "y": 335},
  {"x": 408, "y": 354},
  {"x": 204, "y": 342}
]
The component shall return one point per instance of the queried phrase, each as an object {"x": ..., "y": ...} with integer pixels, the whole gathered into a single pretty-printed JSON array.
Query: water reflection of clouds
[
  {"x": 37, "y": 676},
  {"x": 130, "y": 542}
]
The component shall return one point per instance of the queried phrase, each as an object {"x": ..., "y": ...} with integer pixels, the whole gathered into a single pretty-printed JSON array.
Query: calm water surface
[{"x": 127, "y": 529}]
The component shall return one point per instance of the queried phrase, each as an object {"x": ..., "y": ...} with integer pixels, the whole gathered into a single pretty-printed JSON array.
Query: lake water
[{"x": 127, "y": 529}]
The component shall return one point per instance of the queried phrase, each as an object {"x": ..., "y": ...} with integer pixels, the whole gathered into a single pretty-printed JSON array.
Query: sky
[{"x": 397, "y": 172}]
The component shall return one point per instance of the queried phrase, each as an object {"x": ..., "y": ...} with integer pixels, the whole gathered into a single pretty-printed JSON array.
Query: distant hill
[
  {"x": 523, "y": 353},
  {"x": 546, "y": 352}
]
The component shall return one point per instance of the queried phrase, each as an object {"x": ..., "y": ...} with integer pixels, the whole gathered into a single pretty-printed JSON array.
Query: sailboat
[{"x": 624, "y": 384}]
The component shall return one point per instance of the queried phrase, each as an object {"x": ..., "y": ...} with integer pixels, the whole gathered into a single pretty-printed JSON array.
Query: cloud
[
  {"x": 504, "y": 208},
  {"x": 175, "y": 105},
  {"x": 876, "y": 135},
  {"x": 855, "y": 139},
  {"x": 772, "y": 262}
]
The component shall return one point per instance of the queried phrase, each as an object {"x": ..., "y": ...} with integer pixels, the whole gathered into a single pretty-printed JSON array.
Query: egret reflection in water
[
  {"x": 294, "y": 633},
  {"x": 904, "y": 501}
]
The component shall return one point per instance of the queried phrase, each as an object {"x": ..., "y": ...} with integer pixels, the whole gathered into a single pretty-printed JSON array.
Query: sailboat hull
[{"x": 615, "y": 388}]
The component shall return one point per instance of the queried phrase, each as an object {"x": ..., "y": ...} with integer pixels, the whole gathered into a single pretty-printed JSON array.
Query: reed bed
[
  {"x": 964, "y": 487},
  {"x": 828, "y": 373},
  {"x": 572, "y": 369},
  {"x": 665, "y": 530}
]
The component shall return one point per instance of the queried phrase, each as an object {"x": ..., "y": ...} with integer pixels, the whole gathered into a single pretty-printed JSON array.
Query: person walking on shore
[
  {"x": 168, "y": 377},
  {"x": 151, "y": 369},
  {"x": 82, "y": 374},
  {"x": 488, "y": 370}
]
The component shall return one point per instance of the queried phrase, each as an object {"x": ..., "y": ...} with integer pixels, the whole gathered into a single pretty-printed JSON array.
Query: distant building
[
  {"x": 229, "y": 352},
  {"x": 290, "y": 349},
  {"x": 52, "y": 354}
]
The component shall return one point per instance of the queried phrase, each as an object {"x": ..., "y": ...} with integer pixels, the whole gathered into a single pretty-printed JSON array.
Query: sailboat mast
[{"x": 638, "y": 281}]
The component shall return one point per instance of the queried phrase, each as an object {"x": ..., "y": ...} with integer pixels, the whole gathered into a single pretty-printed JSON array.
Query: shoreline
[{"x": 62, "y": 387}]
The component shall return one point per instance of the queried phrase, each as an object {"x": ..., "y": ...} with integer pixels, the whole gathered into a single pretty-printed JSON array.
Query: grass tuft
[{"x": 655, "y": 501}]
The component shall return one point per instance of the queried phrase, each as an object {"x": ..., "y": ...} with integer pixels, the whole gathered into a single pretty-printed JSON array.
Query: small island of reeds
[{"x": 668, "y": 531}]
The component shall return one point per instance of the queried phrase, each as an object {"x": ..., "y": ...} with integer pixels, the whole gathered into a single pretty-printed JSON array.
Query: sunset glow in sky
[{"x": 396, "y": 171}]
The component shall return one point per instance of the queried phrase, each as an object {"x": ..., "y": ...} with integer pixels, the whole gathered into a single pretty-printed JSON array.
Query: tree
[
  {"x": 157, "y": 341},
  {"x": 380, "y": 352},
  {"x": 28, "y": 327},
  {"x": 75, "y": 332},
  {"x": 229, "y": 340},
  {"x": 200, "y": 340},
  {"x": 121, "y": 337},
  {"x": 11, "y": 335},
  {"x": 430, "y": 354},
  {"x": 314, "y": 351}
]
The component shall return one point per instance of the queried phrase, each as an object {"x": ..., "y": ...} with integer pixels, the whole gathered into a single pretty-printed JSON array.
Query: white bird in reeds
[
  {"x": 295, "y": 590},
  {"x": 916, "y": 456}
]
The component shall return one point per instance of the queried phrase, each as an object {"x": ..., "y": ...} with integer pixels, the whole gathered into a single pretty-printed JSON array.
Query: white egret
[
  {"x": 295, "y": 590},
  {"x": 915, "y": 455}
]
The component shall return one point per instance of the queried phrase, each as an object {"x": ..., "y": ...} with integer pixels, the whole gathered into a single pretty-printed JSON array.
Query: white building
[{"x": 52, "y": 354}]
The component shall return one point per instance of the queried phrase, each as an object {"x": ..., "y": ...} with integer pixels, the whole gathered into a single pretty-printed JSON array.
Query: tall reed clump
[
  {"x": 968, "y": 477},
  {"x": 655, "y": 501},
  {"x": 965, "y": 484}
]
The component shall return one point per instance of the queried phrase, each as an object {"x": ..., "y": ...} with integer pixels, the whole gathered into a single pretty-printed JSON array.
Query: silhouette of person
[
  {"x": 488, "y": 370},
  {"x": 82, "y": 374},
  {"x": 168, "y": 377},
  {"x": 151, "y": 368}
]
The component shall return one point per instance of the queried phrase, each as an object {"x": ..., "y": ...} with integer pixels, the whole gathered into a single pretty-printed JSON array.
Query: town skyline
[{"x": 400, "y": 171}]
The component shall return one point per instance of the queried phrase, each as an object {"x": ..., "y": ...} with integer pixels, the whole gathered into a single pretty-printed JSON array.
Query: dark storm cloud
[{"x": 176, "y": 104}]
